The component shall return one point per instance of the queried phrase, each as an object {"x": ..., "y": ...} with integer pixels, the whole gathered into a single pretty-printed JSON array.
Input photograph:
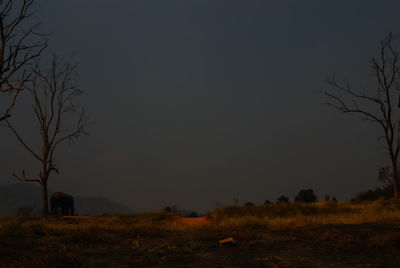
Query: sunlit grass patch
[{"x": 295, "y": 215}]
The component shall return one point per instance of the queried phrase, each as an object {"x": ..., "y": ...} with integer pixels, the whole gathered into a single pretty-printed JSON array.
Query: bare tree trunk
[
  {"x": 45, "y": 206},
  {"x": 395, "y": 179},
  {"x": 395, "y": 166}
]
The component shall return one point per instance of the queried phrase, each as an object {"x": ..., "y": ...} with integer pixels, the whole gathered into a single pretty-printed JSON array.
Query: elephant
[{"x": 64, "y": 201}]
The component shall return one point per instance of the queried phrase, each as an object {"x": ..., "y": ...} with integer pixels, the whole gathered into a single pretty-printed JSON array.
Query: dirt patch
[{"x": 156, "y": 240}]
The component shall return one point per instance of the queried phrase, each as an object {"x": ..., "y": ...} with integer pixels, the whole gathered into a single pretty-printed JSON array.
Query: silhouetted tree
[
  {"x": 307, "y": 196},
  {"x": 168, "y": 209},
  {"x": 173, "y": 209},
  {"x": 249, "y": 204},
  {"x": 53, "y": 94},
  {"x": 379, "y": 105},
  {"x": 385, "y": 176},
  {"x": 267, "y": 202},
  {"x": 20, "y": 44},
  {"x": 372, "y": 195},
  {"x": 283, "y": 199},
  {"x": 193, "y": 214}
]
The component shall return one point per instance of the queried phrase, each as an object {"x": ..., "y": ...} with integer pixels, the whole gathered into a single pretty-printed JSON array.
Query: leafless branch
[
  {"x": 53, "y": 93},
  {"x": 377, "y": 107},
  {"x": 25, "y": 178},
  {"x": 20, "y": 45}
]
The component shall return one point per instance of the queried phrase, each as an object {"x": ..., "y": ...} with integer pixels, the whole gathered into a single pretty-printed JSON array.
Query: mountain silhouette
[{"x": 17, "y": 195}]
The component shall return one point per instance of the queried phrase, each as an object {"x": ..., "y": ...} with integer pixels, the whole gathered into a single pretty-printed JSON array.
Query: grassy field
[{"x": 325, "y": 234}]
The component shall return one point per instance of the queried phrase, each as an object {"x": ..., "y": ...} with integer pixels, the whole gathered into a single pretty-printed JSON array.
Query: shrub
[
  {"x": 283, "y": 199},
  {"x": 372, "y": 195},
  {"x": 193, "y": 214},
  {"x": 168, "y": 209},
  {"x": 172, "y": 209},
  {"x": 306, "y": 196}
]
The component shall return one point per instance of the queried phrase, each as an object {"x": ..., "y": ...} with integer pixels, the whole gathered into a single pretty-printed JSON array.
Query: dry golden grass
[
  {"x": 273, "y": 235},
  {"x": 296, "y": 215},
  {"x": 273, "y": 216}
]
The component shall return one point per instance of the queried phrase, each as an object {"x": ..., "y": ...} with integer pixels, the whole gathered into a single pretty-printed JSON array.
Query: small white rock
[{"x": 226, "y": 241}]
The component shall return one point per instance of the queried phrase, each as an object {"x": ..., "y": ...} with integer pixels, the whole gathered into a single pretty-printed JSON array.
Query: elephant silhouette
[{"x": 63, "y": 201}]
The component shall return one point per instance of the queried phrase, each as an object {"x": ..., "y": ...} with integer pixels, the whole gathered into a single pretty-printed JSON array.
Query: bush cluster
[{"x": 306, "y": 196}]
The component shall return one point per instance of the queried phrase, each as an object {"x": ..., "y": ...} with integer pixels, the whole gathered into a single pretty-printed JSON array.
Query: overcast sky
[{"x": 198, "y": 102}]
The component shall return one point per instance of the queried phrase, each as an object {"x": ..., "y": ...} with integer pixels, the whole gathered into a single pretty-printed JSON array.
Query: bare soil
[{"x": 79, "y": 242}]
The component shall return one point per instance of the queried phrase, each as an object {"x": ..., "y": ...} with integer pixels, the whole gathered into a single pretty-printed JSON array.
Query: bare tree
[
  {"x": 379, "y": 105},
  {"x": 385, "y": 176},
  {"x": 20, "y": 44},
  {"x": 53, "y": 94}
]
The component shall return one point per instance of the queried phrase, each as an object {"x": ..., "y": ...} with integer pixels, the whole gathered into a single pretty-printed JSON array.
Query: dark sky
[{"x": 199, "y": 102}]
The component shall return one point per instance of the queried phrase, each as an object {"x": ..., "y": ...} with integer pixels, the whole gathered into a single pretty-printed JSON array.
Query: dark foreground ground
[{"x": 165, "y": 241}]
